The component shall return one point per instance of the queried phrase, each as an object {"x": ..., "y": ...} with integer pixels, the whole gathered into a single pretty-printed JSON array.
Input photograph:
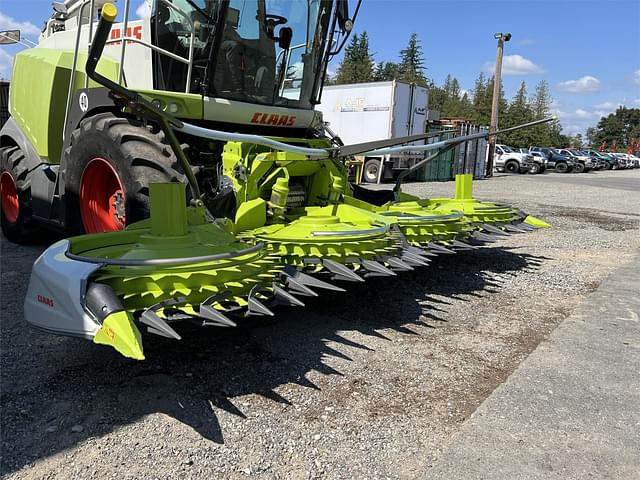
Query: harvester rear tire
[
  {"x": 15, "y": 196},
  {"x": 109, "y": 165}
]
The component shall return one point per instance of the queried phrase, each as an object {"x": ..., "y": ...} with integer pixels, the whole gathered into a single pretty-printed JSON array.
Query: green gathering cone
[
  {"x": 118, "y": 331},
  {"x": 536, "y": 222}
]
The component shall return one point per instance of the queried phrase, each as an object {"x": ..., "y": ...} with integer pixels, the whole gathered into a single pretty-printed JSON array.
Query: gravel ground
[{"x": 370, "y": 384}]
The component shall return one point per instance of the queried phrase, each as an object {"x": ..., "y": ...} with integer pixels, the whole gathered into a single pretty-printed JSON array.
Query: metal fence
[
  {"x": 4, "y": 102},
  {"x": 469, "y": 157}
]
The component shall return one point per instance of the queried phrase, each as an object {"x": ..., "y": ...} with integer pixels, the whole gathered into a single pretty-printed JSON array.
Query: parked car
[
  {"x": 555, "y": 161},
  {"x": 599, "y": 161},
  {"x": 538, "y": 161},
  {"x": 630, "y": 161},
  {"x": 583, "y": 163},
  {"x": 509, "y": 160},
  {"x": 622, "y": 160},
  {"x": 611, "y": 163}
]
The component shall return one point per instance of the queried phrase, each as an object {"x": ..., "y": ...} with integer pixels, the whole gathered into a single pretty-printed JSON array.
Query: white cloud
[
  {"x": 636, "y": 102},
  {"x": 580, "y": 113},
  {"x": 8, "y": 23},
  {"x": 6, "y": 62},
  {"x": 526, "y": 41},
  {"x": 608, "y": 105},
  {"x": 144, "y": 10},
  {"x": 572, "y": 129},
  {"x": 515, "y": 65},
  {"x": 583, "y": 84},
  {"x": 636, "y": 76}
]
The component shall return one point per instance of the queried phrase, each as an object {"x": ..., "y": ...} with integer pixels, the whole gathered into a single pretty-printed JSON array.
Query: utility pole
[{"x": 501, "y": 37}]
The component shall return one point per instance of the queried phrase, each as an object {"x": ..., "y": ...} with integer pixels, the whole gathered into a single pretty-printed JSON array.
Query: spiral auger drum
[
  {"x": 490, "y": 220},
  {"x": 174, "y": 267}
]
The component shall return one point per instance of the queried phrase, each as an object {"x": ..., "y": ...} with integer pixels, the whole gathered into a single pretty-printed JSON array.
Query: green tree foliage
[
  {"x": 622, "y": 127},
  {"x": 451, "y": 101},
  {"x": 517, "y": 113},
  {"x": 482, "y": 99},
  {"x": 411, "y": 67},
  {"x": 546, "y": 135},
  {"x": 357, "y": 64},
  {"x": 386, "y": 71}
]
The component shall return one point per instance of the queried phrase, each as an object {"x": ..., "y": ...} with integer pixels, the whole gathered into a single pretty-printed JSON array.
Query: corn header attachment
[{"x": 287, "y": 225}]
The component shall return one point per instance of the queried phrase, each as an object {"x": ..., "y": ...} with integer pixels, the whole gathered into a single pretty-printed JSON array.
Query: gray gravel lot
[{"x": 369, "y": 384}]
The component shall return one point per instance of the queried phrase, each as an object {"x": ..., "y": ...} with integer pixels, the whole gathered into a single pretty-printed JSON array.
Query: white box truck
[{"x": 364, "y": 112}]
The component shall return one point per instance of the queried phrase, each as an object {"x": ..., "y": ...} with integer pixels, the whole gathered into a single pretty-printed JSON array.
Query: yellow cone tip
[
  {"x": 536, "y": 222},
  {"x": 118, "y": 331},
  {"x": 109, "y": 12}
]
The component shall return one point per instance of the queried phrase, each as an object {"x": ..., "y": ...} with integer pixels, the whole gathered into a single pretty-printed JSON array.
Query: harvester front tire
[
  {"x": 109, "y": 165},
  {"x": 15, "y": 196}
]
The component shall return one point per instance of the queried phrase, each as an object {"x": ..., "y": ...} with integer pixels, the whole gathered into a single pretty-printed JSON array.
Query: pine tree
[
  {"x": 518, "y": 112},
  {"x": 357, "y": 64},
  {"x": 482, "y": 100},
  {"x": 411, "y": 66},
  {"x": 544, "y": 135},
  {"x": 385, "y": 71},
  {"x": 541, "y": 101},
  {"x": 437, "y": 98},
  {"x": 479, "y": 98}
]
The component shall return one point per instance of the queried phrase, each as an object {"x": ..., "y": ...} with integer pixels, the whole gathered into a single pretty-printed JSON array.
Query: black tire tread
[
  {"x": 12, "y": 160},
  {"x": 144, "y": 154}
]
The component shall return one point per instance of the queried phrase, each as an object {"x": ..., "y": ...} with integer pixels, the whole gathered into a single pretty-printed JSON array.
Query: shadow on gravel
[{"x": 50, "y": 384}]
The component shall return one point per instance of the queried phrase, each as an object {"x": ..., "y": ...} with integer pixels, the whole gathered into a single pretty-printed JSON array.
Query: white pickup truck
[{"x": 508, "y": 160}]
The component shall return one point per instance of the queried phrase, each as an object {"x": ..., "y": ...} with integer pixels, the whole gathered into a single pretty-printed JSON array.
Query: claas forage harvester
[{"x": 183, "y": 154}]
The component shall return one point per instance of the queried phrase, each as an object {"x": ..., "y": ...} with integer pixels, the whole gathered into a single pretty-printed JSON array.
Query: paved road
[
  {"x": 618, "y": 180},
  {"x": 572, "y": 408}
]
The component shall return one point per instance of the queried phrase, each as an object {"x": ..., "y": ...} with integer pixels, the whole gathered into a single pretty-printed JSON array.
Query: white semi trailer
[{"x": 365, "y": 112}]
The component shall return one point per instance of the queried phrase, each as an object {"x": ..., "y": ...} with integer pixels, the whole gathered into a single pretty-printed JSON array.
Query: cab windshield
[{"x": 256, "y": 51}]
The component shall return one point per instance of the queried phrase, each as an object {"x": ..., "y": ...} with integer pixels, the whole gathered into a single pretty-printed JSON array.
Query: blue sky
[{"x": 588, "y": 51}]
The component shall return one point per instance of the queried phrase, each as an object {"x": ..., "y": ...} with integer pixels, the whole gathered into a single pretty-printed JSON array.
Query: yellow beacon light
[{"x": 109, "y": 12}]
